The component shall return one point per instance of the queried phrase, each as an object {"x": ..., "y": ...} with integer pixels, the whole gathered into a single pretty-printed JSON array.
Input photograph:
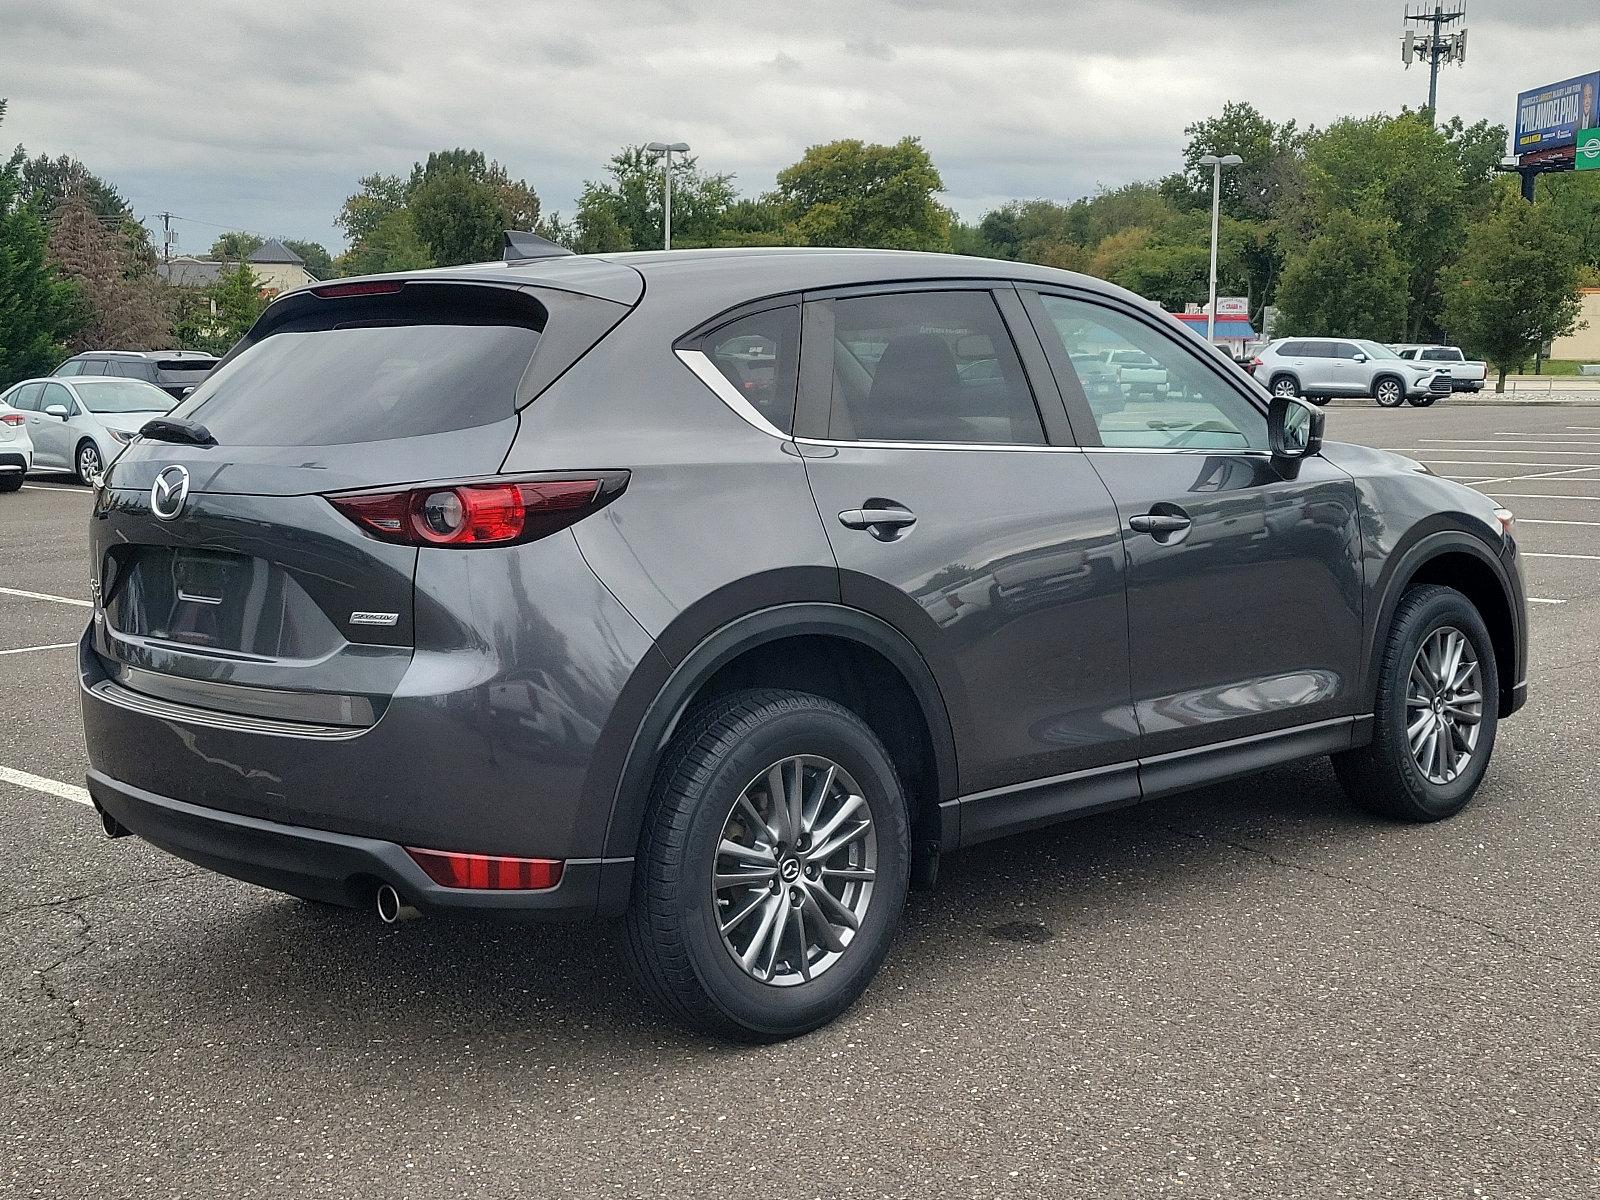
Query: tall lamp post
[
  {"x": 1216, "y": 164},
  {"x": 669, "y": 149}
]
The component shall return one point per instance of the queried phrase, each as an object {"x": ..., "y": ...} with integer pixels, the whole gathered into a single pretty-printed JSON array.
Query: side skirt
[{"x": 1014, "y": 809}]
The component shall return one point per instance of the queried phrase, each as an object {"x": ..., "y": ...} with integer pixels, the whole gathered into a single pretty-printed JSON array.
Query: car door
[
  {"x": 961, "y": 512},
  {"x": 1315, "y": 366},
  {"x": 1353, "y": 369},
  {"x": 1244, "y": 576},
  {"x": 26, "y": 401},
  {"x": 52, "y": 436}
]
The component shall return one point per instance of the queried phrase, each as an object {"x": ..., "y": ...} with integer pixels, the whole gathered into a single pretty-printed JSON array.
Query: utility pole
[
  {"x": 668, "y": 149},
  {"x": 1433, "y": 43},
  {"x": 166, "y": 237}
]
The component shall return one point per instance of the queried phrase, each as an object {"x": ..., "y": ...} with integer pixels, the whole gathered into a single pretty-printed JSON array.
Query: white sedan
[
  {"x": 80, "y": 424},
  {"x": 16, "y": 450}
]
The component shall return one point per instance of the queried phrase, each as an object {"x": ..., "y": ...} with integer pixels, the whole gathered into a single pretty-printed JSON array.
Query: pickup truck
[
  {"x": 1466, "y": 374},
  {"x": 1137, "y": 372}
]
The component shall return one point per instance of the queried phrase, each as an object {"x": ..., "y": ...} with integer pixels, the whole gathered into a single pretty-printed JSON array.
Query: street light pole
[
  {"x": 1216, "y": 164},
  {"x": 668, "y": 149}
]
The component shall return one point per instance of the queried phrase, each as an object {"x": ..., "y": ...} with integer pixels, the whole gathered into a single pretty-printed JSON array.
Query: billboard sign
[
  {"x": 1588, "y": 150},
  {"x": 1551, "y": 116},
  {"x": 1232, "y": 306}
]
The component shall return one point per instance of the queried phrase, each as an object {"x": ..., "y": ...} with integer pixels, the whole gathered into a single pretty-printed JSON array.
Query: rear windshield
[
  {"x": 123, "y": 396},
  {"x": 373, "y": 368},
  {"x": 174, "y": 372}
]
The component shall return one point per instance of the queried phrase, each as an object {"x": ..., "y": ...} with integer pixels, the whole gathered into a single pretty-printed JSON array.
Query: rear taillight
[
  {"x": 487, "y": 872},
  {"x": 372, "y": 287},
  {"x": 1252, "y": 365},
  {"x": 490, "y": 513},
  {"x": 11, "y": 418}
]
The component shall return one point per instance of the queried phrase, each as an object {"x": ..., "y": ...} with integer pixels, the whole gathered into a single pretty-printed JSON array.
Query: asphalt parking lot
[{"x": 1249, "y": 991}]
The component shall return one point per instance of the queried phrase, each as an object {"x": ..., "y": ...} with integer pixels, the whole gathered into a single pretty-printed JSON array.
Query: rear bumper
[
  {"x": 12, "y": 461},
  {"x": 334, "y": 867}
]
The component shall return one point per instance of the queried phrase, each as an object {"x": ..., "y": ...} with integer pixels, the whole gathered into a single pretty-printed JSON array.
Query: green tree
[
  {"x": 850, "y": 193},
  {"x": 1516, "y": 284},
  {"x": 1251, "y": 190},
  {"x": 123, "y": 304},
  {"x": 460, "y": 219},
  {"x": 235, "y": 246},
  {"x": 214, "y": 318},
  {"x": 376, "y": 198},
  {"x": 318, "y": 261},
  {"x": 390, "y": 245},
  {"x": 625, "y": 211},
  {"x": 38, "y": 308},
  {"x": 45, "y": 183},
  {"x": 1345, "y": 282}
]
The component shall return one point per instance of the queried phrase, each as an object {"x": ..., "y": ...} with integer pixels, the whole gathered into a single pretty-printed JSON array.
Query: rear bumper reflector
[{"x": 487, "y": 872}]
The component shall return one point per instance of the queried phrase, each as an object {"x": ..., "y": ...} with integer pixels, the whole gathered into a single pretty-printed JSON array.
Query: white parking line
[
  {"x": 1532, "y": 521},
  {"x": 1494, "y": 441},
  {"x": 1544, "y": 475},
  {"x": 44, "y": 487},
  {"x": 1585, "y": 557},
  {"x": 5, "y": 591},
  {"x": 1498, "y": 449},
  {"x": 30, "y": 649},
  {"x": 1542, "y": 600},
  {"x": 1539, "y": 495},
  {"x": 50, "y": 787}
]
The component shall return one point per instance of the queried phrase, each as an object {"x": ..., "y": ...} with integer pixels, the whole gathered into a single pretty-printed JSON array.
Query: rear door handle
[{"x": 882, "y": 521}]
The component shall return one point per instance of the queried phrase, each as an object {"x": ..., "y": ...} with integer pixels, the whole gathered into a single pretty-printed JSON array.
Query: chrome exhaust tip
[
  {"x": 392, "y": 909},
  {"x": 110, "y": 824}
]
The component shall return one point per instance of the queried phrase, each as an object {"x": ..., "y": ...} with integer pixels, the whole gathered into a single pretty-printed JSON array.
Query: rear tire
[
  {"x": 10, "y": 482},
  {"x": 1387, "y": 776},
  {"x": 683, "y": 939},
  {"x": 1285, "y": 385}
]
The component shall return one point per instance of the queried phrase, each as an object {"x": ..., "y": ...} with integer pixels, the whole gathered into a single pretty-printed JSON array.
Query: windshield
[
  {"x": 1374, "y": 350},
  {"x": 123, "y": 396}
]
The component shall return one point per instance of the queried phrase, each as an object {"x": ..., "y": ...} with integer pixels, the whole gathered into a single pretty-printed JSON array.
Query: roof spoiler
[{"x": 522, "y": 247}]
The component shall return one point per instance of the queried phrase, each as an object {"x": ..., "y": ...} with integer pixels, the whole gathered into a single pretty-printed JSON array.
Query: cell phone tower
[{"x": 1435, "y": 40}]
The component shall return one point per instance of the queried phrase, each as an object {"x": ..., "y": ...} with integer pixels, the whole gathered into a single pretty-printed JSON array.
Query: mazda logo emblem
[{"x": 169, "y": 491}]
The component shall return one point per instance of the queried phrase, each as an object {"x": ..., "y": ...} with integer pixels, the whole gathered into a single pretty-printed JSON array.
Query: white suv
[{"x": 1319, "y": 368}]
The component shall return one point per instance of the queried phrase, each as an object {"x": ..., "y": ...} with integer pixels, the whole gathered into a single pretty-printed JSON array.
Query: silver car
[
  {"x": 80, "y": 424},
  {"x": 16, "y": 451},
  {"x": 1319, "y": 368}
]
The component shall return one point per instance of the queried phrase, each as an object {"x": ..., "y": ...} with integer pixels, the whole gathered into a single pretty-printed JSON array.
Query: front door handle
[
  {"x": 1165, "y": 527},
  {"x": 884, "y": 520}
]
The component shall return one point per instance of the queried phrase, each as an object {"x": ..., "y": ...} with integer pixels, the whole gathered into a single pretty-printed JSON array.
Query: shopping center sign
[{"x": 1587, "y": 157}]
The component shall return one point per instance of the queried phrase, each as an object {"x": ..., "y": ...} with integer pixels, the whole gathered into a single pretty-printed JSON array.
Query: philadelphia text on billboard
[{"x": 1551, "y": 116}]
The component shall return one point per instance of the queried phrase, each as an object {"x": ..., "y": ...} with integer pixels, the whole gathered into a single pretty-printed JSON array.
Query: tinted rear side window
[
  {"x": 71, "y": 367},
  {"x": 760, "y": 356},
  {"x": 374, "y": 368}
]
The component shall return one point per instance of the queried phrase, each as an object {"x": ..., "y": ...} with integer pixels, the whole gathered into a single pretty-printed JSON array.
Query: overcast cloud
[{"x": 263, "y": 115}]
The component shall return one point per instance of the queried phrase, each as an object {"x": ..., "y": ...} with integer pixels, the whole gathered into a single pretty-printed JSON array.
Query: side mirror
[
  {"x": 56, "y": 410},
  {"x": 1294, "y": 428},
  {"x": 1360, "y": 357}
]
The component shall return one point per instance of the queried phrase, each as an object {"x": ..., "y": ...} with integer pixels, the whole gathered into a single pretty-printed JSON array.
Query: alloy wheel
[
  {"x": 1284, "y": 387},
  {"x": 88, "y": 463},
  {"x": 1389, "y": 393},
  {"x": 794, "y": 870},
  {"x": 1444, "y": 705}
]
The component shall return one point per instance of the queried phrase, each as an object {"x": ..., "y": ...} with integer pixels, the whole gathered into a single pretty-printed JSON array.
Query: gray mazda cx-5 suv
[{"x": 724, "y": 591}]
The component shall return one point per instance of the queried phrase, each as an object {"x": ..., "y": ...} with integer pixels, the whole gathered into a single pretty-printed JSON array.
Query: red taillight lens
[
  {"x": 487, "y": 872},
  {"x": 479, "y": 514},
  {"x": 11, "y": 418}
]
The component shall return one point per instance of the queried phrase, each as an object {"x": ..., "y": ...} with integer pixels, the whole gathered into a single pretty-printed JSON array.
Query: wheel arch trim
[
  {"x": 722, "y": 646},
  {"x": 1403, "y": 566}
]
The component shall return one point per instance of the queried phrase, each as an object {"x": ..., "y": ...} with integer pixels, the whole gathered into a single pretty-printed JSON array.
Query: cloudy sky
[{"x": 263, "y": 115}]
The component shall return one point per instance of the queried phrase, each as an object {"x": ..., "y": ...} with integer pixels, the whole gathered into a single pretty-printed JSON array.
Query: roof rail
[{"x": 523, "y": 247}]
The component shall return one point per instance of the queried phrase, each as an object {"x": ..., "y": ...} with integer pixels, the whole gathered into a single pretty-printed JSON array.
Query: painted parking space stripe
[
  {"x": 31, "y": 649},
  {"x": 1545, "y": 475},
  {"x": 5, "y": 591},
  {"x": 1546, "y": 554},
  {"x": 1538, "y": 495},
  {"x": 46, "y": 487},
  {"x": 1495, "y": 441},
  {"x": 1543, "y": 600},
  {"x": 1498, "y": 449},
  {"x": 1543, "y": 521},
  {"x": 50, "y": 787}
]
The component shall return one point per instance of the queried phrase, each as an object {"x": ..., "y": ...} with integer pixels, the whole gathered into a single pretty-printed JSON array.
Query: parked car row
[{"x": 80, "y": 416}]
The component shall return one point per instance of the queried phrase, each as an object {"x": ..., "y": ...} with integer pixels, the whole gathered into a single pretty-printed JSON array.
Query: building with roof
[
  {"x": 187, "y": 271},
  {"x": 1582, "y": 343},
  {"x": 1232, "y": 333},
  {"x": 279, "y": 268}
]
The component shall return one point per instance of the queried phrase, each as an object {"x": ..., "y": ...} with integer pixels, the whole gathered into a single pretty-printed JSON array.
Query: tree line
[{"x": 1384, "y": 227}]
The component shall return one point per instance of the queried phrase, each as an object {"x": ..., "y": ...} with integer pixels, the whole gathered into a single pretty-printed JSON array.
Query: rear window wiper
[{"x": 177, "y": 429}]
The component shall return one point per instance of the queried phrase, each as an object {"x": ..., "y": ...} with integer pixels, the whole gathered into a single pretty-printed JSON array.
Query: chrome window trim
[
  {"x": 1011, "y": 446},
  {"x": 706, "y": 371}
]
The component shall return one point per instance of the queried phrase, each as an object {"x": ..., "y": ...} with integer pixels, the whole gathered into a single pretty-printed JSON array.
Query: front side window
[
  {"x": 760, "y": 355},
  {"x": 928, "y": 367},
  {"x": 1160, "y": 396},
  {"x": 54, "y": 393}
]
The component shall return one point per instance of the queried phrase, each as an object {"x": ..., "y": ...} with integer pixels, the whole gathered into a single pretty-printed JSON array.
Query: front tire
[
  {"x": 1389, "y": 392},
  {"x": 1437, "y": 712},
  {"x": 772, "y": 868},
  {"x": 1420, "y": 401},
  {"x": 87, "y": 463}
]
